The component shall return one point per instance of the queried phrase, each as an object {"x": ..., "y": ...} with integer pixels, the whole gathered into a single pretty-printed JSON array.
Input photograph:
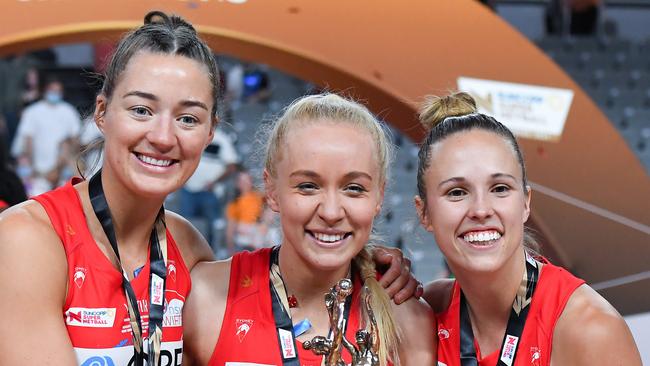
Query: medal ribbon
[
  {"x": 157, "y": 276},
  {"x": 516, "y": 321},
  {"x": 280, "y": 304}
]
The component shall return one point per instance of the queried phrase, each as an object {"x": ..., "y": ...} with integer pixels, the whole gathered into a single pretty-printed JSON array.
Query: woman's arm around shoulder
[
  {"x": 591, "y": 332},
  {"x": 192, "y": 245},
  {"x": 33, "y": 283},
  {"x": 417, "y": 325},
  {"x": 204, "y": 310},
  {"x": 438, "y": 294}
]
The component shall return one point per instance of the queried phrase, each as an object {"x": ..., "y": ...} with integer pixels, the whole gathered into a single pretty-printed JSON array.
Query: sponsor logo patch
[
  {"x": 173, "y": 314},
  {"x": 90, "y": 317},
  {"x": 157, "y": 291},
  {"x": 99, "y": 361},
  {"x": 243, "y": 327},
  {"x": 286, "y": 341},
  {"x": 509, "y": 348}
]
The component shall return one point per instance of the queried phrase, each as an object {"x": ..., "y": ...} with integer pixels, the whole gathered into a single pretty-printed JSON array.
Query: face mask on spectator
[{"x": 53, "y": 97}]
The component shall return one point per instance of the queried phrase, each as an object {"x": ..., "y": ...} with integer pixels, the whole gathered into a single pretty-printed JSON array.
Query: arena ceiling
[{"x": 591, "y": 199}]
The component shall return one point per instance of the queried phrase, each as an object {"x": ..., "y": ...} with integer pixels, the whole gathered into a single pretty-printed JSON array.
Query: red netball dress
[
  {"x": 554, "y": 289},
  {"x": 248, "y": 334},
  {"x": 95, "y": 311}
]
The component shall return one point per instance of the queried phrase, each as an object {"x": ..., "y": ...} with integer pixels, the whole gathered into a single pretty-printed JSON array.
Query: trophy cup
[{"x": 366, "y": 351}]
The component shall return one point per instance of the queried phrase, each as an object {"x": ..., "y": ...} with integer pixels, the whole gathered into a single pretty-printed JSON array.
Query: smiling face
[
  {"x": 475, "y": 202},
  {"x": 157, "y": 123},
  {"x": 327, "y": 189}
]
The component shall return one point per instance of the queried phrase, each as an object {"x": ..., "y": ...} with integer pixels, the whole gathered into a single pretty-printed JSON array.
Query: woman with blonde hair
[
  {"x": 325, "y": 170},
  {"x": 508, "y": 305}
]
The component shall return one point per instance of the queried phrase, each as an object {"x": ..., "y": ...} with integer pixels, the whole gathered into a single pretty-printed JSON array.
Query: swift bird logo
[
  {"x": 171, "y": 270},
  {"x": 79, "y": 276},
  {"x": 243, "y": 327}
]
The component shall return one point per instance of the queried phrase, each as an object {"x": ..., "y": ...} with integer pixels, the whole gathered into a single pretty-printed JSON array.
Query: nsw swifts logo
[
  {"x": 171, "y": 270},
  {"x": 243, "y": 327},
  {"x": 79, "y": 276},
  {"x": 535, "y": 356}
]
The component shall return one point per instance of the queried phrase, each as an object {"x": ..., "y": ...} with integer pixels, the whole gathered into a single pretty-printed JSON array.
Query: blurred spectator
[
  {"x": 32, "y": 92},
  {"x": 578, "y": 17},
  {"x": 15, "y": 77},
  {"x": 235, "y": 84},
  {"x": 202, "y": 195},
  {"x": 256, "y": 85},
  {"x": 12, "y": 190},
  {"x": 91, "y": 159},
  {"x": 584, "y": 16},
  {"x": 46, "y": 141},
  {"x": 245, "y": 230}
]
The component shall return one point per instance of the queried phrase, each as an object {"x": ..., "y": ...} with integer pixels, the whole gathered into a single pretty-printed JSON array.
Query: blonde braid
[{"x": 389, "y": 333}]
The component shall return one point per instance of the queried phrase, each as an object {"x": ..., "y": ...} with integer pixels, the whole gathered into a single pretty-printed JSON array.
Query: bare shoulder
[
  {"x": 417, "y": 327},
  {"x": 26, "y": 227},
  {"x": 438, "y": 294},
  {"x": 192, "y": 245},
  {"x": 205, "y": 308},
  {"x": 591, "y": 332},
  {"x": 34, "y": 275}
]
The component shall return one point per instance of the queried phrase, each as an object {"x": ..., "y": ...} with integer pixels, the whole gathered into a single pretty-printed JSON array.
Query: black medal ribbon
[
  {"x": 514, "y": 328},
  {"x": 157, "y": 276},
  {"x": 281, "y": 312}
]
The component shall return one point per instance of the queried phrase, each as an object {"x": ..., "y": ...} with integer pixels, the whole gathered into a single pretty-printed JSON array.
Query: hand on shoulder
[
  {"x": 591, "y": 332},
  {"x": 418, "y": 344},
  {"x": 438, "y": 294}
]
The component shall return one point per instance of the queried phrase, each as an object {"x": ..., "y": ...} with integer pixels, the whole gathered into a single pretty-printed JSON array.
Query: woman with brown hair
[{"x": 508, "y": 305}]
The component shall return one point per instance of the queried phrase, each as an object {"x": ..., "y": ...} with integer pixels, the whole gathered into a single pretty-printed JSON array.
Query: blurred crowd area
[{"x": 47, "y": 99}]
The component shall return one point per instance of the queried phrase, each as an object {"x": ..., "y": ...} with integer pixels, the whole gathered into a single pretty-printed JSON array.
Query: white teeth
[
  {"x": 482, "y": 236},
  {"x": 152, "y": 161},
  {"x": 328, "y": 238}
]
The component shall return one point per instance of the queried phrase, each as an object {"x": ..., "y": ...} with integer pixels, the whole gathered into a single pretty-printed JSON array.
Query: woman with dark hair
[
  {"x": 97, "y": 272},
  {"x": 508, "y": 305}
]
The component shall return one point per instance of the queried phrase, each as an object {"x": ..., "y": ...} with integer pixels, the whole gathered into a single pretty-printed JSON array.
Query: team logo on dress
[
  {"x": 443, "y": 333},
  {"x": 79, "y": 276},
  {"x": 535, "y": 356},
  {"x": 243, "y": 327},
  {"x": 171, "y": 270},
  {"x": 90, "y": 317},
  {"x": 69, "y": 230},
  {"x": 246, "y": 282}
]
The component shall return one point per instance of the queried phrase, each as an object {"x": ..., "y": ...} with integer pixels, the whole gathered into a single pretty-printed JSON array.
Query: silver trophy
[{"x": 366, "y": 351}]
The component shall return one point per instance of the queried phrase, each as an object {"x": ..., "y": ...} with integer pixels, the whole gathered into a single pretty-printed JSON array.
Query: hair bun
[
  {"x": 156, "y": 17},
  {"x": 173, "y": 21},
  {"x": 436, "y": 109}
]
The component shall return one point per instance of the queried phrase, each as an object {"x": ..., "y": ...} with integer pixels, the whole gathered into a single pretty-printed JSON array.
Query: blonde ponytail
[{"x": 389, "y": 334}]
